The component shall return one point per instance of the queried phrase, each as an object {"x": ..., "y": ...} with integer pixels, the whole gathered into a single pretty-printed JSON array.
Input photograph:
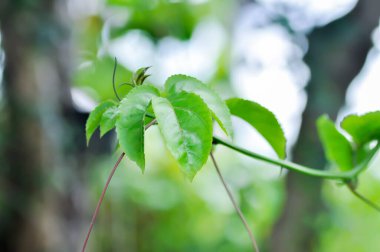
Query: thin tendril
[
  {"x": 104, "y": 192},
  {"x": 113, "y": 80},
  {"x": 238, "y": 211},
  {"x": 101, "y": 201},
  {"x": 364, "y": 199}
]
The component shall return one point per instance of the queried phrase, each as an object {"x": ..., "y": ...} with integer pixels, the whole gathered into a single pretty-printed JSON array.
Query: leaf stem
[
  {"x": 346, "y": 175},
  {"x": 237, "y": 208},
  {"x": 105, "y": 190},
  {"x": 364, "y": 199},
  {"x": 101, "y": 200},
  {"x": 150, "y": 124}
]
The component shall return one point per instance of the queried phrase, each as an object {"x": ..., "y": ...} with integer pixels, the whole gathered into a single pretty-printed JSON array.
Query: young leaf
[
  {"x": 108, "y": 120},
  {"x": 94, "y": 118},
  {"x": 338, "y": 149},
  {"x": 130, "y": 122},
  {"x": 178, "y": 83},
  {"x": 140, "y": 76},
  {"x": 262, "y": 120},
  {"x": 363, "y": 128},
  {"x": 185, "y": 123}
]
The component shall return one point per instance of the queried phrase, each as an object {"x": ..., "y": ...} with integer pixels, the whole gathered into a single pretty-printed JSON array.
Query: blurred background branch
[{"x": 336, "y": 55}]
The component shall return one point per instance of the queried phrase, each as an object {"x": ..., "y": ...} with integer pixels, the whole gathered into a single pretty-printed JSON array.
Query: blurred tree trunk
[
  {"x": 37, "y": 111},
  {"x": 336, "y": 55}
]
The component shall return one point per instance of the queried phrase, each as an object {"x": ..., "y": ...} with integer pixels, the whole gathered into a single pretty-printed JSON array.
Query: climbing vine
[{"x": 185, "y": 110}]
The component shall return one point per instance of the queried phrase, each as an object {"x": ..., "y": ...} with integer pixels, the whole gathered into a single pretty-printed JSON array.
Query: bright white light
[
  {"x": 304, "y": 15},
  {"x": 376, "y": 38},
  {"x": 134, "y": 50},
  {"x": 270, "y": 46},
  {"x": 363, "y": 93},
  {"x": 267, "y": 75},
  {"x": 82, "y": 102},
  {"x": 196, "y": 57},
  {"x": 326, "y": 11}
]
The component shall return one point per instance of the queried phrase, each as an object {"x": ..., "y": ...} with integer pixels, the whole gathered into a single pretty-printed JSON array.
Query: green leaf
[
  {"x": 94, "y": 118},
  {"x": 363, "y": 128},
  {"x": 177, "y": 83},
  {"x": 130, "y": 122},
  {"x": 362, "y": 153},
  {"x": 338, "y": 149},
  {"x": 185, "y": 123},
  {"x": 139, "y": 76},
  {"x": 108, "y": 120},
  {"x": 263, "y": 120}
]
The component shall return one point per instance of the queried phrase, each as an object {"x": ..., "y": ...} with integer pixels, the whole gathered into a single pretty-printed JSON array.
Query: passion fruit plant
[{"x": 184, "y": 112}]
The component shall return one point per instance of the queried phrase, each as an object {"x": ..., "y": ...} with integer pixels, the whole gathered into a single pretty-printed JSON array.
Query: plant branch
[
  {"x": 238, "y": 211},
  {"x": 100, "y": 201},
  {"x": 105, "y": 190},
  {"x": 346, "y": 175}
]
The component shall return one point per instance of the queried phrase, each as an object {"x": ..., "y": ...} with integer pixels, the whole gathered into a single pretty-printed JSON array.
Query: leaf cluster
[
  {"x": 186, "y": 108},
  {"x": 184, "y": 112},
  {"x": 351, "y": 152}
]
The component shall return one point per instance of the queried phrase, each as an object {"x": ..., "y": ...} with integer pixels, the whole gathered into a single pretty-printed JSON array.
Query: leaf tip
[
  {"x": 141, "y": 165},
  {"x": 88, "y": 137},
  {"x": 190, "y": 176}
]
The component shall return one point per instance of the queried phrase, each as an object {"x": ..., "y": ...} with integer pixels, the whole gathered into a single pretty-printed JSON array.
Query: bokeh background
[{"x": 299, "y": 58}]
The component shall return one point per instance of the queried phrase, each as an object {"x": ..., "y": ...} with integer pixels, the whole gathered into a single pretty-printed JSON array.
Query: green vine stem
[{"x": 345, "y": 176}]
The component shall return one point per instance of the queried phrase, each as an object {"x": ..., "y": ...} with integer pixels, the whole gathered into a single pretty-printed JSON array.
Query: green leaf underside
[
  {"x": 185, "y": 123},
  {"x": 178, "y": 83},
  {"x": 363, "y": 128},
  {"x": 108, "y": 120},
  {"x": 130, "y": 122},
  {"x": 95, "y": 117},
  {"x": 338, "y": 149},
  {"x": 263, "y": 120}
]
